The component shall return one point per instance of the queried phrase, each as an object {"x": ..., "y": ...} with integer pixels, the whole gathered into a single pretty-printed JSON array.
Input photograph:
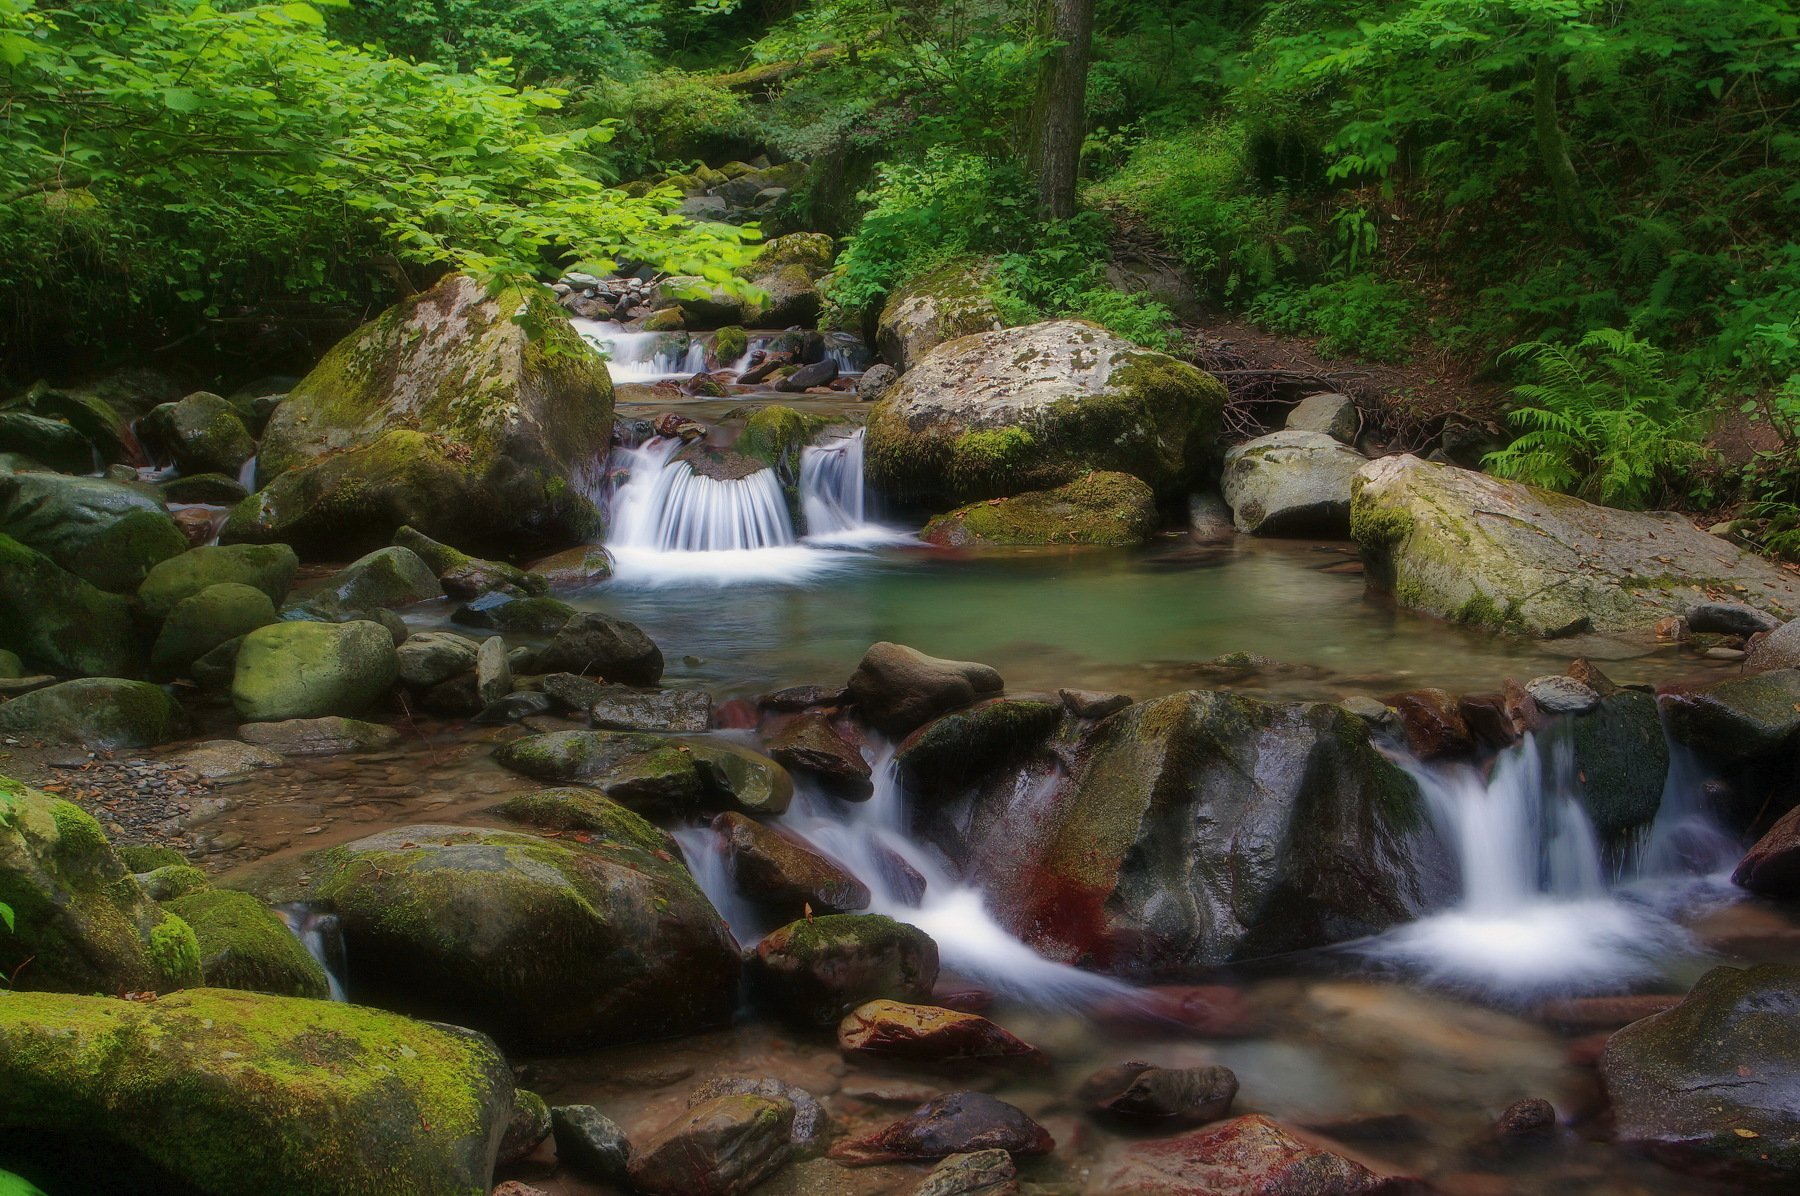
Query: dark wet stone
[
  {"x": 622, "y": 708},
  {"x": 1772, "y": 867},
  {"x": 590, "y": 1143},
  {"x": 811, "y": 746},
  {"x": 803, "y": 697},
  {"x": 957, "y": 1123},
  {"x": 1175, "y": 1096},
  {"x": 816, "y": 970},
  {"x": 719, "y": 1147},
  {"x": 595, "y": 645},
  {"x": 1530, "y": 1120},
  {"x": 977, "y": 1173},
  {"x": 784, "y": 875}
]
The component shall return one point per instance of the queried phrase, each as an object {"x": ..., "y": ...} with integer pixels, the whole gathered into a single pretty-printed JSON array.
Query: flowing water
[{"x": 637, "y": 357}]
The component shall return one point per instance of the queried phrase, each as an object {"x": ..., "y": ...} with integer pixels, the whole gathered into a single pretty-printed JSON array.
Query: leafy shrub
[
  {"x": 1359, "y": 316},
  {"x": 667, "y": 119},
  {"x": 539, "y": 39}
]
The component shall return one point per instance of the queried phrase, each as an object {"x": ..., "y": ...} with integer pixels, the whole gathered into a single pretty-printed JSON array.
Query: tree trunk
[
  {"x": 1553, "y": 147},
  {"x": 1057, "y": 117}
]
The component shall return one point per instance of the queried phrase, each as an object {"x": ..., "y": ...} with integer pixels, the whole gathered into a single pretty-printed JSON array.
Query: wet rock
[
  {"x": 1291, "y": 484},
  {"x": 597, "y": 645},
  {"x": 739, "y": 778},
  {"x": 1034, "y": 408},
  {"x": 212, "y": 489},
  {"x": 571, "y": 693},
  {"x": 387, "y": 577},
  {"x": 1622, "y": 762},
  {"x": 225, "y": 759},
  {"x": 465, "y": 576},
  {"x": 819, "y": 373},
  {"x": 1246, "y": 1156},
  {"x": 1592, "y": 676},
  {"x": 1334, "y": 415},
  {"x": 952, "y": 753},
  {"x": 1092, "y": 704},
  {"x": 202, "y": 622},
  {"x": 803, "y": 697},
  {"x": 542, "y": 941},
  {"x": 515, "y": 614},
  {"x": 1525, "y": 1121},
  {"x": 720, "y": 1147},
  {"x": 429, "y": 658},
  {"x": 329, "y": 736},
  {"x": 1433, "y": 722},
  {"x": 41, "y": 442},
  {"x": 1478, "y": 549},
  {"x": 898, "y": 689},
  {"x": 312, "y": 670},
  {"x": 1557, "y": 694},
  {"x": 108, "y": 534},
  {"x": 268, "y": 567},
  {"x": 245, "y": 945},
  {"x": 811, "y": 1125},
  {"x": 1746, "y": 718},
  {"x": 493, "y": 671},
  {"x": 958, "y": 1123},
  {"x": 528, "y": 1126},
  {"x": 270, "y": 1094},
  {"x": 1170, "y": 1096},
  {"x": 204, "y": 434},
  {"x": 1730, "y": 618},
  {"x": 784, "y": 875},
  {"x": 977, "y": 1173},
  {"x": 590, "y": 1143},
  {"x": 368, "y": 442},
  {"x": 641, "y": 771},
  {"x": 515, "y": 707},
  {"x": 101, "y": 712},
  {"x": 1097, "y": 508},
  {"x": 59, "y": 623},
  {"x": 876, "y": 381},
  {"x": 1709, "y": 1086},
  {"x": 809, "y": 745},
  {"x": 575, "y": 566},
  {"x": 1772, "y": 867},
  {"x": 928, "y": 1034},
  {"x": 940, "y": 305},
  {"x": 816, "y": 970},
  {"x": 1777, "y": 649},
  {"x": 622, "y": 708}
]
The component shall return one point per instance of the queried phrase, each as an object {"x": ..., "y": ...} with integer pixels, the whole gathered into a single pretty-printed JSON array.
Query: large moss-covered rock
[
  {"x": 538, "y": 940},
  {"x": 268, "y": 567},
  {"x": 107, "y": 533},
  {"x": 1710, "y": 1085},
  {"x": 1291, "y": 483},
  {"x": 816, "y": 970},
  {"x": 1100, "y": 508},
  {"x": 59, "y": 623},
  {"x": 1033, "y": 408},
  {"x": 461, "y": 415},
  {"x": 1622, "y": 759},
  {"x": 245, "y": 945},
  {"x": 788, "y": 272},
  {"x": 940, "y": 305},
  {"x": 202, "y": 622},
  {"x": 1207, "y": 827},
  {"x": 1477, "y": 549},
  {"x": 45, "y": 441},
  {"x": 203, "y": 433},
  {"x": 310, "y": 670},
  {"x": 465, "y": 576},
  {"x": 102, "y": 712},
  {"x": 387, "y": 577},
  {"x": 640, "y": 770},
  {"x": 1745, "y": 718},
  {"x": 239, "y": 1094},
  {"x": 79, "y": 918},
  {"x": 954, "y": 750}
]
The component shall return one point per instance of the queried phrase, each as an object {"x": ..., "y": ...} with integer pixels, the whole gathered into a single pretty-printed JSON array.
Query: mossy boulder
[
  {"x": 465, "y": 576},
  {"x": 645, "y": 772},
  {"x": 727, "y": 346},
  {"x": 816, "y": 970},
  {"x": 956, "y": 750},
  {"x": 776, "y": 437},
  {"x": 268, "y": 567},
  {"x": 429, "y": 658},
  {"x": 464, "y": 415},
  {"x": 302, "y": 670},
  {"x": 1622, "y": 759},
  {"x": 592, "y": 644},
  {"x": 200, "y": 623},
  {"x": 101, "y": 712},
  {"x": 387, "y": 577},
  {"x": 109, "y": 534},
  {"x": 1477, "y": 549},
  {"x": 212, "y": 489},
  {"x": 79, "y": 917},
  {"x": 1033, "y": 408},
  {"x": 1291, "y": 483},
  {"x": 788, "y": 272},
  {"x": 540, "y": 941},
  {"x": 241, "y": 1094},
  {"x": 204, "y": 433},
  {"x": 49, "y": 442},
  {"x": 948, "y": 301},
  {"x": 1099, "y": 508},
  {"x": 1743, "y": 719},
  {"x": 59, "y": 623},
  {"x": 245, "y": 945}
]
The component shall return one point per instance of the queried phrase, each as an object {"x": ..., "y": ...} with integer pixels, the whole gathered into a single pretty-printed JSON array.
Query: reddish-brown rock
[
  {"x": 719, "y": 1147},
  {"x": 1433, "y": 723},
  {"x": 951, "y": 1124},
  {"x": 784, "y": 874},
  {"x": 1246, "y": 1156},
  {"x": 811, "y": 746},
  {"x": 1772, "y": 867},
  {"x": 1207, "y": 1010},
  {"x": 926, "y": 1034}
]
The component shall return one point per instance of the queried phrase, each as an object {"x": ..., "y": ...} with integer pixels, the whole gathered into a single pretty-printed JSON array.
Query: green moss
[
  {"x": 145, "y": 858},
  {"x": 79, "y": 839},
  {"x": 176, "y": 952},
  {"x": 1100, "y": 508},
  {"x": 585, "y": 811},
  {"x": 729, "y": 344},
  {"x": 992, "y": 460},
  {"x": 1377, "y": 529},
  {"x": 172, "y": 880},
  {"x": 244, "y": 945}
]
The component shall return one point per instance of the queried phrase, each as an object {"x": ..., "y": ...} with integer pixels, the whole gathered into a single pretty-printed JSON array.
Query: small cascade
[
  {"x": 247, "y": 474},
  {"x": 644, "y": 356},
  {"x": 665, "y": 506},
  {"x": 832, "y": 490},
  {"x": 870, "y": 840},
  {"x": 322, "y": 936}
]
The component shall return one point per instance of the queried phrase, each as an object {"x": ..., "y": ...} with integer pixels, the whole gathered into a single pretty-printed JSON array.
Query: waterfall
[
  {"x": 831, "y": 487},
  {"x": 666, "y": 507},
  {"x": 870, "y": 840},
  {"x": 644, "y": 356},
  {"x": 322, "y": 936}
]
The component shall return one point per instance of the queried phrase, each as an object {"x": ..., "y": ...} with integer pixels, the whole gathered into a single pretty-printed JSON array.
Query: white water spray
[{"x": 644, "y": 356}]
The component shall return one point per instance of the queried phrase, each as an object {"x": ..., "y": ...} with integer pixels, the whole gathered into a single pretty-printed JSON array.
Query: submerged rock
[
  {"x": 1138, "y": 1092},
  {"x": 59, "y": 623},
  {"x": 1710, "y": 1085},
  {"x": 1292, "y": 483},
  {"x": 898, "y": 689},
  {"x": 304, "y": 670},
  {"x": 107, "y": 533},
  {"x": 1246, "y": 1156},
  {"x": 329, "y": 736},
  {"x": 816, "y": 970},
  {"x": 1033, "y": 408},
  {"x": 1099, "y": 508},
  {"x": 243, "y": 1094},
  {"x": 1478, "y": 549},
  {"x": 720, "y": 1147},
  {"x": 977, "y": 1173},
  {"x": 783, "y": 874},
  {"x": 811, "y": 1123},
  {"x": 957, "y": 1123},
  {"x": 102, "y": 712},
  {"x": 927, "y": 1034},
  {"x": 639, "y": 770}
]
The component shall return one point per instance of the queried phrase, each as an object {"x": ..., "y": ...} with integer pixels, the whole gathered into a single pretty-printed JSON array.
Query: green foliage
[
  {"x": 12, "y": 1185},
  {"x": 667, "y": 120},
  {"x": 1359, "y": 316},
  {"x": 535, "y": 39},
  {"x": 1602, "y": 419}
]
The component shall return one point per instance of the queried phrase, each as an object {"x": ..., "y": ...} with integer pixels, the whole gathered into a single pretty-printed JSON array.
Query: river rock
[
  {"x": 598, "y": 645},
  {"x": 245, "y": 945},
  {"x": 1204, "y": 1010},
  {"x": 1138, "y": 1092},
  {"x": 719, "y": 1147},
  {"x": 590, "y": 1143},
  {"x": 203, "y": 433},
  {"x": 952, "y": 753},
  {"x": 1291, "y": 483},
  {"x": 783, "y": 874},
  {"x": 1709, "y": 1086},
  {"x": 788, "y": 271},
  {"x": 1207, "y": 827},
  {"x": 1557, "y": 694},
  {"x": 1033, "y": 408},
  {"x": 1772, "y": 867},
  {"x": 465, "y": 576},
  {"x": 819, "y": 373},
  {"x": 946, "y": 302},
  {"x": 268, "y": 567},
  {"x": 211, "y": 489},
  {"x": 541, "y": 941},
  {"x": 1478, "y": 549},
  {"x": 332, "y": 735},
  {"x": 811, "y": 746},
  {"x": 927, "y": 1034},
  {"x": 241, "y": 1093},
  {"x": 200, "y": 623},
  {"x": 528, "y": 1126},
  {"x": 312, "y": 670},
  {"x": 225, "y": 759},
  {"x": 1246, "y": 1156},
  {"x": 101, "y": 712},
  {"x": 38, "y": 442},
  {"x": 1778, "y": 649},
  {"x": 59, "y": 623},
  {"x": 1730, "y": 618},
  {"x": 1098, "y": 508},
  {"x": 641, "y": 771},
  {"x": 898, "y": 689},
  {"x": 429, "y": 658},
  {"x": 460, "y": 414},
  {"x": 977, "y": 1173},
  {"x": 515, "y": 614},
  {"x": 811, "y": 1123},
  {"x": 956, "y": 1123},
  {"x": 1334, "y": 415},
  {"x": 1622, "y": 761},
  {"x": 580, "y": 566},
  {"x": 814, "y": 971},
  {"x": 107, "y": 533},
  {"x": 737, "y": 777},
  {"x": 1433, "y": 722},
  {"x": 387, "y": 577},
  {"x": 80, "y": 919},
  {"x": 622, "y": 708},
  {"x": 876, "y": 381},
  {"x": 1745, "y": 718},
  {"x": 493, "y": 671}
]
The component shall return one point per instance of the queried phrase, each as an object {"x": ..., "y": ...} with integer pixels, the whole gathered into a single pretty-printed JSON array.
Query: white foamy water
[{"x": 643, "y": 356}]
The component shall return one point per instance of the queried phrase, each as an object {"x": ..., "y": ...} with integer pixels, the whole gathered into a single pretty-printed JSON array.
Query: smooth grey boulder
[
  {"x": 897, "y": 689},
  {"x": 1333, "y": 414},
  {"x": 109, "y": 534},
  {"x": 1291, "y": 484}
]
